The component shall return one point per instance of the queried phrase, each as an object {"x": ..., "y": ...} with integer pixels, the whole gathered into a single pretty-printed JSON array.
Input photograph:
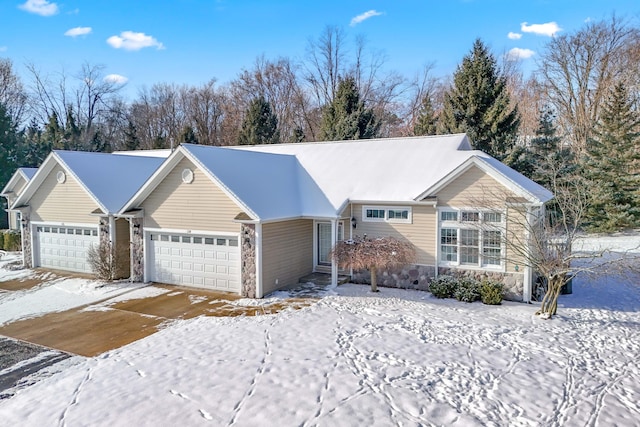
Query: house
[
  {"x": 12, "y": 190},
  {"x": 254, "y": 219},
  {"x": 70, "y": 204}
]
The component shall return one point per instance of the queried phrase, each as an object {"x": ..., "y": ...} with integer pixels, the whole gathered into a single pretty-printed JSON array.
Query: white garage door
[
  {"x": 203, "y": 261},
  {"x": 64, "y": 248}
]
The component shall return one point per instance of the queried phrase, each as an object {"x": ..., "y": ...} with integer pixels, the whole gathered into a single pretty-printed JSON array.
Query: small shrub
[
  {"x": 491, "y": 292},
  {"x": 468, "y": 290},
  {"x": 443, "y": 286},
  {"x": 11, "y": 241},
  {"x": 2, "y": 239},
  {"x": 107, "y": 262}
]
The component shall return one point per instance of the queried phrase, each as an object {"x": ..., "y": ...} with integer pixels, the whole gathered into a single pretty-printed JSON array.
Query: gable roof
[
  {"x": 318, "y": 179},
  {"x": 266, "y": 186},
  {"x": 25, "y": 173},
  {"x": 109, "y": 179},
  {"x": 395, "y": 169}
]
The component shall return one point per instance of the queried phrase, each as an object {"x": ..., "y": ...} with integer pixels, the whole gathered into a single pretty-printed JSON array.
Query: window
[
  {"x": 471, "y": 238},
  {"x": 383, "y": 214},
  {"x": 186, "y": 239},
  {"x": 175, "y": 239},
  {"x": 197, "y": 240}
]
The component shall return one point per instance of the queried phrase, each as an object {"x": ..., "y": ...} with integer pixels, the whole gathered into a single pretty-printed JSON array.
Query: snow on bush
[
  {"x": 467, "y": 290},
  {"x": 443, "y": 286}
]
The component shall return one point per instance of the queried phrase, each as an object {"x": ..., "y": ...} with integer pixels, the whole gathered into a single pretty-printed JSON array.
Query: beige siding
[
  {"x": 287, "y": 253},
  {"x": 200, "y": 205},
  {"x": 421, "y": 232},
  {"x": 67, "y": 202},
  {"x": 516, "y": 234},
  {"x": 474, "y": 188},
  {"x": 19, "y": 186}
]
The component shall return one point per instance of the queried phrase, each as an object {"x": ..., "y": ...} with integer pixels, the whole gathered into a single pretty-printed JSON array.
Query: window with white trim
[
  {"x": 386, "y": 214},
  {"x": 471, "y": 238}
]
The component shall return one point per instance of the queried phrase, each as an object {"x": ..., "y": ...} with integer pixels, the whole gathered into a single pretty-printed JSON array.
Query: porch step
[{"x": 322, "y": 279}]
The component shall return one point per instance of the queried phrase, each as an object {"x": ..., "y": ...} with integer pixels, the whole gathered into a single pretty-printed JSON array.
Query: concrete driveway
[{"x": 95, "y": 328}]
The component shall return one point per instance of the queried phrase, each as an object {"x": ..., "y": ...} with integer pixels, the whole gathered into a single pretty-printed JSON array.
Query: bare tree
[
  {"x": 578, "y": 70},
  {"x": 12, "y": 92},
  {"x": 373, "y": 254}
]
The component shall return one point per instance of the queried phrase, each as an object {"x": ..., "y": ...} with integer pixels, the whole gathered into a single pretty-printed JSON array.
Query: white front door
[
  {"x": 204, "y": 261},
  {"x": 323, "y": 238}
]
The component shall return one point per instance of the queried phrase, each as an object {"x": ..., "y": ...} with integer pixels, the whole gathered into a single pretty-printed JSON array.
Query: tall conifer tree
[
  {"x": 478, "y": 104},
  {"x": 260, "y": 125},
  {"x": 613, "y": 165},
  {"x": 346, "y": 117}
]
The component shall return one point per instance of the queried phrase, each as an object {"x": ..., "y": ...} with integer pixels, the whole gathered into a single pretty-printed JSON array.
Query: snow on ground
[
  {"x": 57, "y": 295},
  {"x": 356, "y": 358}
]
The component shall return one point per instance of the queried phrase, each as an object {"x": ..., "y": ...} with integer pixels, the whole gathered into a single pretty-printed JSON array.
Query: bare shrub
[{"x": 109, "y": 262}]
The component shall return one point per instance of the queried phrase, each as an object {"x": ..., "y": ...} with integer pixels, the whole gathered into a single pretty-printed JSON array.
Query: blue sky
[{"x": 193, "y": 41}]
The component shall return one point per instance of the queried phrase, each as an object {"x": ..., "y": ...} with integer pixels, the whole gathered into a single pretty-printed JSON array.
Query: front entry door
[{"x": 324, "y": 241}]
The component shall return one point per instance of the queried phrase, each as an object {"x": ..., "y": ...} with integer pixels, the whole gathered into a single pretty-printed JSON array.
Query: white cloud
[
  {"x": 548, "y": 29},
  {"x": 517, "y": 53},
  {"x": 78, "y": 31},
  {"x": 40, "y": 7},
  {"x": 364, "y": 16},
  {"x": 116, "y": 78},
  {"x": 514, "y": 36},
  {"x": 128, "y": 40}
]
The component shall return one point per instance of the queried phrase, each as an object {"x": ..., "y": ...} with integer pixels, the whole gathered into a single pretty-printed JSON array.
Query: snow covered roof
[
  {"x": 318, "y": 179},
  {"x": 163, "y": 153},
  {"x": 109, "y": 179},
  {"x": 24, "y": 173}
]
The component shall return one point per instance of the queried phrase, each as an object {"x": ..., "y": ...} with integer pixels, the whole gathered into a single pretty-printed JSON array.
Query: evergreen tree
[
  {"x": 478, "y": 104},
  {"x": 427, "y": 120},
  {"x": 549, "y": 160},
  {"x": 72, "y": 133},
  {"x": 99, "y": 144},
  {"x": 298, "y": 134},
  {"x": 131, "y": 141},
  {"x": 34, "y": 148},
  {"x": 53, "y": 132},
  {"x": 9, "y": 145},
  {"x": 346, "y": 117},
  {"x": 188, "y": 135},
  {"x": 260, "y": 124},
  {"x": 613, "y": 165}
]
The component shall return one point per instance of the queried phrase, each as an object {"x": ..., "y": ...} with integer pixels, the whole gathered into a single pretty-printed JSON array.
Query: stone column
[
  {"x": 137, "y": 250},
  {"x": 248, "y": 257},
  {"x": 27, "y": 250}
]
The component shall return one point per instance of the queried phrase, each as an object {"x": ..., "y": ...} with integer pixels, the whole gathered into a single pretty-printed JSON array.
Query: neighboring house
[
  {"x": 70, "y": 204},
  {"x": 12, "y": 190},
  {"x": 254, "y": 219}
]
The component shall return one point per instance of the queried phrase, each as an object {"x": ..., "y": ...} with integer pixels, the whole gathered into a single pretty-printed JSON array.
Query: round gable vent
[
  {"x": 61, "y": 177},
  {"x": 187, "y": 176}
]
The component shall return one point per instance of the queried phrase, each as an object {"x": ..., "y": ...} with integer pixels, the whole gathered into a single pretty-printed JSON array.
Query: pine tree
[
  {"x": 613, "y": 165},
  {"x": 188, "y": 135},
  {"x": 53, "y": 132},
  {"x": 131, "y": 141},
  {"x": 72, "y": 133},
  {"x": 10, "y": 141},
  {"x": 260, "y": 125},
  {"x": 346, "y": 117},
  {"x": 549, "y": 160},
  {"x": 479, "y": 105},
  {"x": 35, "y": 148},
  {"x": 427, "y": 120}
]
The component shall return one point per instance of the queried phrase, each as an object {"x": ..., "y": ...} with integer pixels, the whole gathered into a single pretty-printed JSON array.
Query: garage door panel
[
  {"x": 64, "y": 248},
  {"x": 193, "y": 260}
]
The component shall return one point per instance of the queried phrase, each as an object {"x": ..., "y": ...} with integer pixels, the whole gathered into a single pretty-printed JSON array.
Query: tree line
[{"x": 575, "y": 119}]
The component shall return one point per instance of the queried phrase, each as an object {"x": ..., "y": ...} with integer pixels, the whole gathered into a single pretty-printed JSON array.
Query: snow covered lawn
[{"x": 354, "y": 358}]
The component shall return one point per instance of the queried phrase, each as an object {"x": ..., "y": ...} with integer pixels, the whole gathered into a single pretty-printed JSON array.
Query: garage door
[
  {"x": 64, "y": 248},
  {"x": 203, "y": 261}
]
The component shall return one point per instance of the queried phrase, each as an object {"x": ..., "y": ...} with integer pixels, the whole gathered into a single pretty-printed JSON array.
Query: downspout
[
  {"x": 528, "y": 276},
  {"x": 435, "y": 276},
  {"x": 334, "y": 265},
  {"x": 259, "y": 284}
]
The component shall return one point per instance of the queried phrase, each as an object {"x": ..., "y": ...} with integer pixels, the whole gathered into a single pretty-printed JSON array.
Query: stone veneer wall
[
  {"x": 27, "y": 250},
  {"x": 408, "y": 277},
  {"x": 248, "y": 257},
  {"x": 513, "y": 282},
  {"x": 103, "y": 231},
  {"x": 419, "y": 276},
  {"x": 137, "y": 250}
]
